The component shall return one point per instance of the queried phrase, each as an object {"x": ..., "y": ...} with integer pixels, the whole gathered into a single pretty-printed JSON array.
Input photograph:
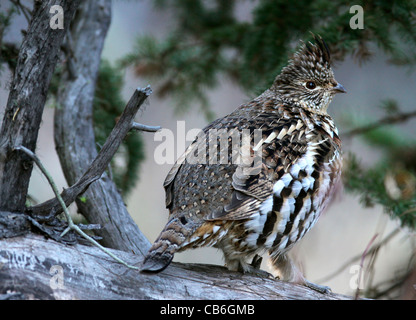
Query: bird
[{"x": 263, "y": 196}]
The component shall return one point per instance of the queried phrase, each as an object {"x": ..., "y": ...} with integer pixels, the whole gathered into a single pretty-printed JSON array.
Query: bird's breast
[{"x": 298, "y": 198}]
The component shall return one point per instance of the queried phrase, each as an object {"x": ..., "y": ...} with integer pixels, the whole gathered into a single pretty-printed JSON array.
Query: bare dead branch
[
  {"x": 35, "y": 64},
  {"x": 71, "y": 224},
  {"x": 101, "y": 203},
  {"x": 357, "y": 291},
  {"x": 49, "y": 209},
  {"x": 142, "y": 127},
  {"x": 88, "y": 273}
]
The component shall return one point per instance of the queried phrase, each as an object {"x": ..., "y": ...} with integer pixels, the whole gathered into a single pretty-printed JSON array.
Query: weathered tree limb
[
  {"x": 36, "y": 62},
  {"x": 51, "y": 208},
  {"x": 142, "y": 127},
  {"x": 74, "y": 135},
  {"x": 33, "y": 267},
  {"x": 13, "y": 224},
  {"x": 70, "y": 222}
]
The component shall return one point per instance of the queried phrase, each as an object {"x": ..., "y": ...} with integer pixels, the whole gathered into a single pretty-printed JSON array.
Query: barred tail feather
[
  {"x": 162, "y": 251},
  {"x": 156, "y": 261}
]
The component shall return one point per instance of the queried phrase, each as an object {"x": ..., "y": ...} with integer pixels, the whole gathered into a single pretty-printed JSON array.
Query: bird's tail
[
  {"x": 157, "y": 259},
  {"x": 163, "y": 249}
]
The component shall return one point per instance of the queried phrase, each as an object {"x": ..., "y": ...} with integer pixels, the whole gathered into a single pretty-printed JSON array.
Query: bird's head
[{"x": 308, "y": 80}]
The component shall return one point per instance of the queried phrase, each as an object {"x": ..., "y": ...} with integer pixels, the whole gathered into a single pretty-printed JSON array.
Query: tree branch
[
  {"x": 36, "y": 62},
  {"x": 71, "y": 224},
  {"x": 396, "y": 118},
  {"x": 142, "y": 127},
  {"x": 74, "y": 135},
  {"x": 49, "y": 209},
  {"x": 88, "y": 273}
]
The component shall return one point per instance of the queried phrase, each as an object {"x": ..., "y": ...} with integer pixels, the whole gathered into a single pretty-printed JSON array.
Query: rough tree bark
[
  {"x": 47, "y": 211},
  {"x": 37, "y": 59},
  {"x": 74, "y": 133},
  {"x": 33, "y": 267}
]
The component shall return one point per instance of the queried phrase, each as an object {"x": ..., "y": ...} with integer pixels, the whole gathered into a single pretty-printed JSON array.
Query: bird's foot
[
  {"x": 250, "y": 269},
  {"x": 256, "y": 263}
]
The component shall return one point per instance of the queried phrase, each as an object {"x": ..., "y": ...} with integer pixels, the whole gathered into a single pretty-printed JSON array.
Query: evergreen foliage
[{"x": 209, "y": 40}]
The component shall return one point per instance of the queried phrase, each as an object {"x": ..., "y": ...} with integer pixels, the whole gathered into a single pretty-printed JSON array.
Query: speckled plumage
[{"x": 248, "y": 208}]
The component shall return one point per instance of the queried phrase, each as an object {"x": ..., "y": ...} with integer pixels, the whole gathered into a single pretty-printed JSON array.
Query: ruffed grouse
[{"x": 247, "y": 208}]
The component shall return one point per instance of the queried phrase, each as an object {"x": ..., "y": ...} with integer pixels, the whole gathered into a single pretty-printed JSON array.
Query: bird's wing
[
  {"x": 281, "y": 145},
  {"x": 192, "y": 148},
  {"x": 168, "y": 183}
]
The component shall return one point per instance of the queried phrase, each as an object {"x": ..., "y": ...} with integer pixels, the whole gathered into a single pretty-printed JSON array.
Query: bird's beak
[{"x": 339, "y": 88}]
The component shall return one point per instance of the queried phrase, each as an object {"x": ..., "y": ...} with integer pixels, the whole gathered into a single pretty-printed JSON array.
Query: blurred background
[{"x": 380, "y": 85}]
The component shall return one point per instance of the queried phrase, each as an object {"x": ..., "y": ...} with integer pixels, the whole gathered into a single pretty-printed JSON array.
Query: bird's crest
[
  {"x": 312, "y": 60},
  {"x": 320, "y": 48},
  {"x": 316, "y": 51}
]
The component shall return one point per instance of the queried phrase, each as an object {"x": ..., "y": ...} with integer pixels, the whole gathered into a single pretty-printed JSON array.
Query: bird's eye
[{"x": 310, "y": 85}]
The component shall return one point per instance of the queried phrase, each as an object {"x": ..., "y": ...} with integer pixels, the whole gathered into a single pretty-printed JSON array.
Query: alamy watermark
[
  {"x": 357, "y": 20},
  {"x": 57, "y": 277},
  {"x": 357, "y": 278},
  {"x": 57, "y": 20}
]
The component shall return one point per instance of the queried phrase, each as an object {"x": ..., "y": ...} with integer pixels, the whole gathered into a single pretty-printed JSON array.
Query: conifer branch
[{"x": 389, "y": 120}]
